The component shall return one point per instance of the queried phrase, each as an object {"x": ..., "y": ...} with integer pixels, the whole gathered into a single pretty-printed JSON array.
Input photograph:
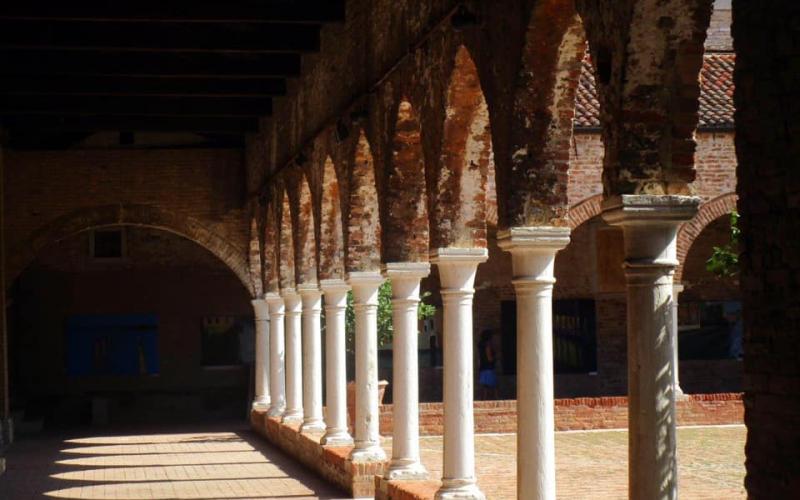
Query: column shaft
[
  {"x": 457, "y": 269},
  {"x": 312, "y": 359},
  {"x": 674, "y": 329},
  {"x": 367, "y": 431},
  {"x": 294, "y": 361},
  {"x": 277, "y": 378},
  {"x": 533, "y": 251},
  {"x": 336, "y": 433},
  {"x": 650, "y": 226},
  {"x": 405, "y": 279},
  {"x": 261, "y": 400}
]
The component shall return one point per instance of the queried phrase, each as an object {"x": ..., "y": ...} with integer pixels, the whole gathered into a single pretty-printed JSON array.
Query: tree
[
  {"x": 724, "y": 260},
  {"x": 385, "y": 326}
]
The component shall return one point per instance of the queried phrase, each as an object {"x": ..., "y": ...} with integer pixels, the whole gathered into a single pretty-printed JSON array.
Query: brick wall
[
  {"x": 195, "y": 192},
  {"x": 579, "y": 413}
]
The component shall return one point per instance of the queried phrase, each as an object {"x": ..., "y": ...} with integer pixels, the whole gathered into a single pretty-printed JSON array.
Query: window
[{"x": 107, "y": 244}]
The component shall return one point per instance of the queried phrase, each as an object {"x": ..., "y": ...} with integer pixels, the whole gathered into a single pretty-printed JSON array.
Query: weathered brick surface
[
  {"x": 767, "y": 43},
  {"x": 608, "y": 412},
  {"x": 51, "y": 195}
]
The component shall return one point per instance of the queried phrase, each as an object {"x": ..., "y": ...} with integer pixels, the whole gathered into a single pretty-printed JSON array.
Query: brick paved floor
[
  {"x": 154, "y": 465},
  {"x": 224, "y": 464},
  {"x": 593, "y": 465}
]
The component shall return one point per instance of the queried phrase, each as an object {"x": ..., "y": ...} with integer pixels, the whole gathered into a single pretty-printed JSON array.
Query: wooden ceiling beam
[{"x": 134, "y": 123}]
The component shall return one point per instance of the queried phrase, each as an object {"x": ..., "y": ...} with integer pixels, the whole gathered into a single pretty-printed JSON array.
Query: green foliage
[
  {"x": 385, "y": 326},
  {"x": 724, "y": 260}
]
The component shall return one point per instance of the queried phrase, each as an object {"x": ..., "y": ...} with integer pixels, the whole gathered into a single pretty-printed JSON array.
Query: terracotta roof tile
[{"x": 716, "y": 94}]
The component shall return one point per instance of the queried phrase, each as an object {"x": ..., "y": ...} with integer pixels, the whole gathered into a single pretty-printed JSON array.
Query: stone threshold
[{"x": 331, "y": 463}]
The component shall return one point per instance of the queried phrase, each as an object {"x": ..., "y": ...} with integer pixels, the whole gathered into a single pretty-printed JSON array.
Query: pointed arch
[
  {"x": 535, "y": 174},
  {"x": 305, "y": 240},
  {"x": 271, "y": 250},
  {"x": 405, "y": 227},
  {"x": 363, "y": 224},
  {"x": 460, "y": 208},
  {"x": 331, "y": 248},
  {"x": 286, "y": 246},
  {"x": 254, "y": 258}
]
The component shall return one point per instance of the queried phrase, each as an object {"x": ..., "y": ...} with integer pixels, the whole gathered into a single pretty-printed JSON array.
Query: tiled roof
[{"x": 716, "y": 94}]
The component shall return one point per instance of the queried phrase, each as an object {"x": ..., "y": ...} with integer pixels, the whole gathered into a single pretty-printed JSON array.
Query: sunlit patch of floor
[{"x": 154, "y": 466}]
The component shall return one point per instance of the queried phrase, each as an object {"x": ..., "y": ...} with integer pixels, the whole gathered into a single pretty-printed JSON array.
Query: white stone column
[
  {"x": 367, "y": 446},
  {"x": 277, "y": 376},
  {"x": 676, "y": 290},
  {"x": 336, "y": 433},
  {"x": 261, "y": 400},
  {"x": 405, "y": 278},
  {"x": 312, "y": 358},
  {"x": 650, "y": 225},
  {"x": 457, "y": 269},
  {"x": 533, "y": 253},
  {"x": 294, "y": 361}
]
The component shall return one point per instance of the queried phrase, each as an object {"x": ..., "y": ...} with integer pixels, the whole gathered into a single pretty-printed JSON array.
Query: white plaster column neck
[
  {"x": 294, "y": 361},
  {"x": 261, "y": 401},
  {"x": 533, "y": 253},
  {"x": 650, "y": 224},
  {"x": 311, "y": 298},
  {"x": 457, "y": 269},
  {"x": 367, "y": 446},
  {"x": 277, "y": 378},
  {"x": 335, "y": 293},
  {"x": 405, "y": 280}
]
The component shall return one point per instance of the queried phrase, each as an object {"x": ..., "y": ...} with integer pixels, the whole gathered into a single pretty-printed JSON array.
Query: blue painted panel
[{"x": 112, "y": 345}]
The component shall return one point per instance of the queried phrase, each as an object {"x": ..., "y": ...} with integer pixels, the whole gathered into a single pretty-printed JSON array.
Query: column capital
[
  {"x": 261, "y": 309},
  {"x": 648, "y": 210},
  {"x": 333, "y": 286},
  {"x": 291, "y": 298},
  {"x": 533, "y": 239},
  {"x": 310, "y": 295},
  {"x": 365, "y": 286},
  {"x": 407, "y": 270},
  {"x": 457, "y": 267}
]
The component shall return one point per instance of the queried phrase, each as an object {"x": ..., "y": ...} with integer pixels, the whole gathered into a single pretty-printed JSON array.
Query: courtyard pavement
[{"x": 224, "y": 464}]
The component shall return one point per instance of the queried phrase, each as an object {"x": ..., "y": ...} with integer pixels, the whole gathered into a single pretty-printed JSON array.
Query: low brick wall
[
  {"x": 579, "y": 413},
  {"x": 329, "y": 462}
]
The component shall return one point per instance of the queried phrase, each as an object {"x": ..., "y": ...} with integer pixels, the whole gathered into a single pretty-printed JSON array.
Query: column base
[
  {"x": 336, "y": 437},
  {"x": 406, "y": 470},
  {"x": 372, "y": 453},
  {"x": 292, "y": 417},
  {"x": 261, "y": 405},
  {"x": 314, "y": 426},
  {"x": 459, "y": 489},
  {"x": 276, "y": 410},
  {"x": 679, "y": 394}
]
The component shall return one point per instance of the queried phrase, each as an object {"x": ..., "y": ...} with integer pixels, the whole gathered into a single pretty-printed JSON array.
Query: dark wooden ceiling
[{"x": 151, "y": 65}]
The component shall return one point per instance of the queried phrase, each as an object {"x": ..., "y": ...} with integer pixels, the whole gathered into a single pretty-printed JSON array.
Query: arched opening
[
  {"x": 363, "y": 221},
  {"x": 142, "y": 325},
  {"x": 286, "y": 246},
  {"x": 331, "y": 252},
  {"x": 305, "y": 241},
  {"x": 710, "y": 344}
]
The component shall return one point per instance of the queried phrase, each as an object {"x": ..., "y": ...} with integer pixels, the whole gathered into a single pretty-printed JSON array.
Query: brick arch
[
  {"x": 584, "y": 210},
  {"x": 305, "y": 243},
  {"x": 708, "y": 213},
  {"x": 331, "y": 248},
  {"x": 363, "y": 223},
  {"x": 285, "y": 241},
  {"x": 254, "y": 258},
  {"x": 405, "y": 221},
  {"x": 534, "y": 179},
  {"x": 271, "y": 249},
  {"x": 458, "y": 205},
  {"x": 134, "y": 215}
]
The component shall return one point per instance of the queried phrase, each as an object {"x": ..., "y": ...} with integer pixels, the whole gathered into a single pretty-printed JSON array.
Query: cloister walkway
[{"x": 215, "y": 462}]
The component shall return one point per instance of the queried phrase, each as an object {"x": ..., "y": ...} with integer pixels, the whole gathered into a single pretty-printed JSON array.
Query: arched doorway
[{"x": 141, "y": 325}]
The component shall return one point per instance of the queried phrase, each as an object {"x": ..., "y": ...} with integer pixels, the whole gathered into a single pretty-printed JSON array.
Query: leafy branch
[{"x": 724, "y": 260}]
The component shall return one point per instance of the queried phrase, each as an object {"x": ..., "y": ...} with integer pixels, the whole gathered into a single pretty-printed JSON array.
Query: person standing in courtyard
[{"x": 487, "y": 377}]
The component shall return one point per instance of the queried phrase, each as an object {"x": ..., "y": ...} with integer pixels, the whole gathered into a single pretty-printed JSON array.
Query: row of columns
[{"x": 650, "y": 226}]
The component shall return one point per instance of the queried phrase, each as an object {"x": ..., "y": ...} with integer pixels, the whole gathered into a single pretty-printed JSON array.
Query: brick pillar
[
  {"x": 766, "y": 37},
  {"x": 610, "y": 305}
]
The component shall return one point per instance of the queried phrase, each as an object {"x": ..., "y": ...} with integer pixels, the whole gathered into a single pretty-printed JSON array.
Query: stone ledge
[{"x": 331, "y": 463}]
